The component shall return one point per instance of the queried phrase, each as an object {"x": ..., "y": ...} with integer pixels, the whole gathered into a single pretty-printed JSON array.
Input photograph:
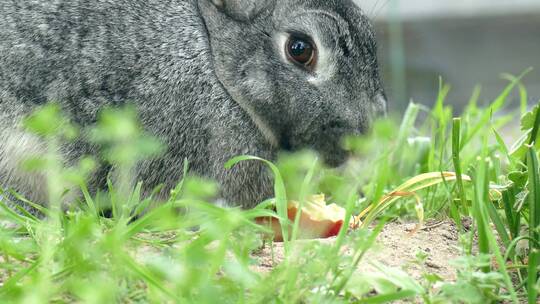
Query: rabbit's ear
[{"x": 242, "y": 10}]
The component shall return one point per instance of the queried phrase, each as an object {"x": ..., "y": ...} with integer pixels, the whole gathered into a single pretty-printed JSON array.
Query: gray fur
[{"x": 208, "y": 78}]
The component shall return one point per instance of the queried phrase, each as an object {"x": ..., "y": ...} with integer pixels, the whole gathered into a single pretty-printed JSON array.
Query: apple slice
[{"x": 317, "y": 220}]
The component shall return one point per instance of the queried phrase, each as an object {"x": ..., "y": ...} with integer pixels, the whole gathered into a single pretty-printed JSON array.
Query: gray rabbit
[{"x": 212, "y": 79}]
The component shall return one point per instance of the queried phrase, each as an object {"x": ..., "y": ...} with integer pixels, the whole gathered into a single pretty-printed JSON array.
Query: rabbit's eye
[{"x": 301, "y": 51}]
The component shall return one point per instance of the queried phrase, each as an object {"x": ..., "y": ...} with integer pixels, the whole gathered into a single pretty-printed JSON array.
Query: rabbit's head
[{"x": 305, "y": 71}]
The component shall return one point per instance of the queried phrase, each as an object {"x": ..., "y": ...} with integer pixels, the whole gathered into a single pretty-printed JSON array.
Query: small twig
[{"x": 435, "y": 225}]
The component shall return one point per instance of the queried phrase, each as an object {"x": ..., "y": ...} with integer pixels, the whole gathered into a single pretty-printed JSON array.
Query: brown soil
[{"x": 397, "y": 247}]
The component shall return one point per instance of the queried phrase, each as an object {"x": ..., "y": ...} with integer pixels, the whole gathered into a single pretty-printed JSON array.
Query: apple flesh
[{"x": 317, "y": 219}]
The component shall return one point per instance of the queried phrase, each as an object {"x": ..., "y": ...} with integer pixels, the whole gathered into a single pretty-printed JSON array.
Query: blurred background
[{"x": 466, "y": 42}]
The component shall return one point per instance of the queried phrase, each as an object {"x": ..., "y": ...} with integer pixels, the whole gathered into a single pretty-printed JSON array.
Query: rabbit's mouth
[
  {"x": 328, "y": 148},
  {"x": 285, "y": 143},
  {"x": 335, "y": 160},
  {"x": 334, "y": 156}
]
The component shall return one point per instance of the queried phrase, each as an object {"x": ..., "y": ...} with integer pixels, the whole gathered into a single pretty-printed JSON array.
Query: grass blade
[
  {"x": 14, "y": 216},
  {"x": 498, "y": 222},
  {"x": 497, "y": 104},
  {"x": 89, "y": 200},
  {"x": 279, "y": 192},
  {"x": 534, "y": 222},
  {"x": 407, "y": 189},
  {"x": 391, "y": 297},
  {"x": 523, "y": 95},
  {"x": 509, "y": 200},
  {"x": 456, "y": 149},
  {"x": 303, "y": 194},
  {"x": 11, "y": 282},
  {"x": 147, "y": 276}
]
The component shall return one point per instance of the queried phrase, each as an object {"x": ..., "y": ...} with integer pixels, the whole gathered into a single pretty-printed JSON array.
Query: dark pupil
[{"x": 298, "y": 48}]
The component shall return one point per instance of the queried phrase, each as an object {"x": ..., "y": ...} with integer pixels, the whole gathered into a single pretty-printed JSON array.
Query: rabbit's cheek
[{"x": 380, "y": 106}]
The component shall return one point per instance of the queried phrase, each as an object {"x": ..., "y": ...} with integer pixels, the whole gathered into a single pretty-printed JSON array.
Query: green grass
[{"x": 188, "y": 250}]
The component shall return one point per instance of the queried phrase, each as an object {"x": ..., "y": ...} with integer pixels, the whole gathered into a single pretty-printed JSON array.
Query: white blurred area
[
  {"x": 410, "y": 9},
  {"x": 464, "y": 42}
]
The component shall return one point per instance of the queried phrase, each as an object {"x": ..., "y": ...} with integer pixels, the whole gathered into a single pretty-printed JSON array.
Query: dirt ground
[{"x": 397, "y": 247}]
